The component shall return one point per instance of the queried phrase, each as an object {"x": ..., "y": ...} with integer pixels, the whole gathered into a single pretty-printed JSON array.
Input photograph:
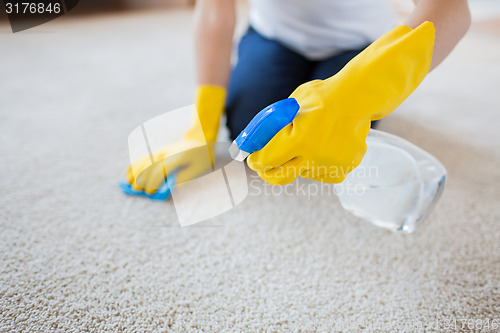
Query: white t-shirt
[{"x": 318, "y": 29}]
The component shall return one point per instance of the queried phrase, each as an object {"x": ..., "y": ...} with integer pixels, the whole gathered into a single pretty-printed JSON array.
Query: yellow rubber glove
[
  {"x": 191, "y": 156},
  {"x": 327, "y": 137}
]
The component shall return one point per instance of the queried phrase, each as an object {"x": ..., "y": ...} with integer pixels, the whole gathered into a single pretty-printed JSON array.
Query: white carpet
[{"x": 78, "y": 255}]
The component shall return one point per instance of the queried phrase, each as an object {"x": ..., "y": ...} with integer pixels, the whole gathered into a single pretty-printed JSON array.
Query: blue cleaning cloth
[{"x": 162, "y": 194}]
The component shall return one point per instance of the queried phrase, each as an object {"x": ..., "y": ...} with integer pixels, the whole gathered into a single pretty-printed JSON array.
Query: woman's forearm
[
  {"x": 451, "y": 20},
  {"x": 214, "y": 27}
]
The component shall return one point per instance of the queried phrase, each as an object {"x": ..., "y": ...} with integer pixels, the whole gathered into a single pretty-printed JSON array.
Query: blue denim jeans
[{"x": 267, "y": 72}]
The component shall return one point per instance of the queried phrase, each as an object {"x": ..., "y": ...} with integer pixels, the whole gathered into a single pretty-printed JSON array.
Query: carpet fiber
[{"x": 78, "y": 255}]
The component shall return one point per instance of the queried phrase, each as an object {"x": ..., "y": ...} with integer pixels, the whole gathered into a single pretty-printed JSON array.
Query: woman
[{"x": 302, "y": 48}]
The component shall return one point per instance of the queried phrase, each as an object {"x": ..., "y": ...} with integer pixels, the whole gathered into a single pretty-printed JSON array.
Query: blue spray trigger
[{"x": 266, "y": 124}]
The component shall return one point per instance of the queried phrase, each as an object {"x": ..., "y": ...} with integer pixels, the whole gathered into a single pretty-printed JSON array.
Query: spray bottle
[{"x": 396, "y": 186}]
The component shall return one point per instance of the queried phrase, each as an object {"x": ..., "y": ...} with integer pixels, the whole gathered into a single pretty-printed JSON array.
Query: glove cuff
[
  {"x": 209, "y": 101},
  {"x": 384, "y": 74}
]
